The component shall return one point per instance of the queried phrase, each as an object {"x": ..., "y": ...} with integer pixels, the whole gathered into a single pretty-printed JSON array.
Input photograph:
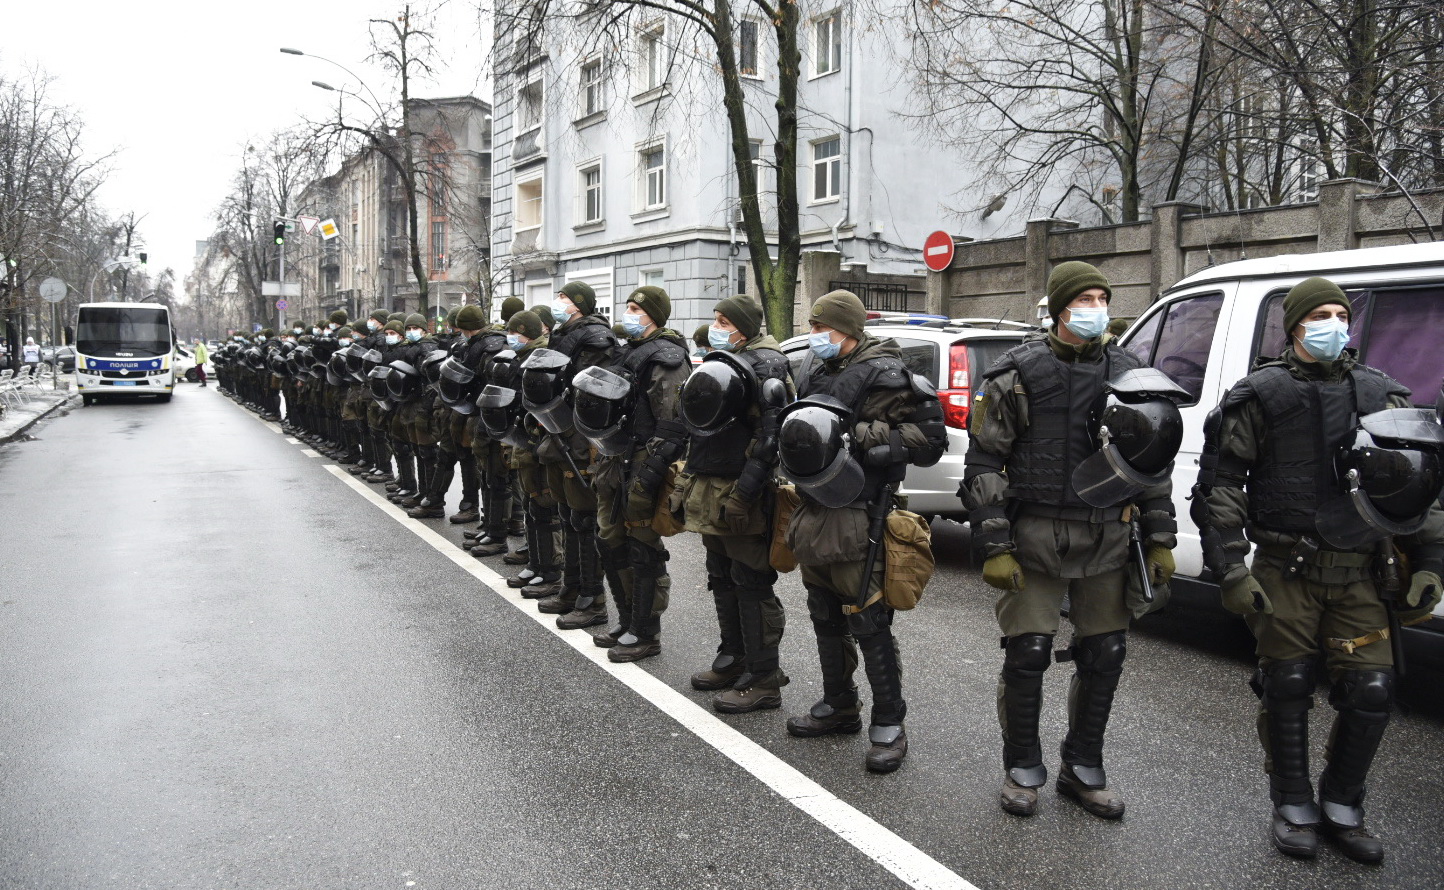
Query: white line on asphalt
[
  {"x": 309, "y": 453},
  {"x": 911, "y": 865}
]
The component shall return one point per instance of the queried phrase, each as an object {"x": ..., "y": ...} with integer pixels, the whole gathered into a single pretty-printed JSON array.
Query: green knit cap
[
  {"x": 525, "y": 323},
  {"x": 700, "y": 337},
  {"x": 451, "y": 317},
  {"x": 397, "y": 316},
  {"x": 1305, "y": 297},
  {"x": 340, "y": 317},
  {"x": 654, "y": 301},
  {"x": 268, "y": 333},
  {"x": 543, "y": 313},
  {"x": 511, "y": 306},
  {"x": 416, "y": 320},
  {"x": 394, "y": 326},
  {"x": 469, "y": 318},
  {"x": 581, "y": 295},
  {"x": 743, "y": 312},
  {"x": 1071, "y": 279},
  {"x": 840, "y": 310},
  {"x": 380, "y": 315},
  {"x": 344, "y": 331}
]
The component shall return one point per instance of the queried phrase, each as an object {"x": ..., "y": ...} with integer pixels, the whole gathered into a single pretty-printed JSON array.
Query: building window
[
  {"x": 826, "y": 169},
  {"x": 654, "y": 58},
  {"x": 742, "y": 279},
  {"x": 827, "y": 44},
  {"x": 650, "y": 278},
  {"x": 653, "y": 162},
  {"x": 747, "y": 48},
  {"x": 591, "y": 87},
  {"x": 529, "y": 107},
  {"x": 529, "y": 204},
  {"x": 438, "y": 245},
  {"x": 591, "y": 194}
]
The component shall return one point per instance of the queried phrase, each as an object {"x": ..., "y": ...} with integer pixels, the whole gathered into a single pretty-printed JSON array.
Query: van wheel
[
  {"x": 191, "y": 376},
  {"x": 165, "y": 398},
  {"x": 87, "y": 401}
]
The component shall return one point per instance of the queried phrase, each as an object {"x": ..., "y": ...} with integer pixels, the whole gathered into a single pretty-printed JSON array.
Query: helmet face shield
[
  {"x": 1139, "y": 431},
  {"x": 601, "y": 409},
  {"x": 543, "y": 391},
  {"x": 405, "y": 382},
  {"x": 501, "y": 412},
  {"x": 431, "y": 365},
  {"x": 814, "y": 447},
  {"x": 376, "y": 380},
  {"x": 717, "y": 393},
  {"x": 1392, "y": 473},
  {"x": 456, "y": 383}
]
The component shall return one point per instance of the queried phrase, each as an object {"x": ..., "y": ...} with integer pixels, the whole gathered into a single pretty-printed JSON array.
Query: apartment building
[{"x": 613, "y": 160}]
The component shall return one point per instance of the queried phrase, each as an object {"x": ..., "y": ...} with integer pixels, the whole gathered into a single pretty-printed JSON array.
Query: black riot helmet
[
  {"x": 431, "y": 365},
  {"x": 405, "y": 382},
  {"x": 253, "y": 358},
  {"x": 815, "y": 448},
  {"x": 301, "y": 361},
  {"x": 503, "y": 369},
  {"x": 1391, "y": 472},
  {"x": 717, "y": 393},
  {"x": 355, "y": 367},
  {"x": 602, "y": 409},
  {"x": 276, "y": 357},
  {"x": 376, "y": 381},
  {"x": 543, "y": 389},
  {"x": 337, "y": 372},
  {"x": 1139, "y": 429},
  {"x": 501, "y": 414},
  {"x": 371, "y": 359},
  {"x": 457, "y": 385}
]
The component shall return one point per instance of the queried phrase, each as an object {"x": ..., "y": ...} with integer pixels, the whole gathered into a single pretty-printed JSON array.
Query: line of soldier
[{"x": 613, "y": 442}]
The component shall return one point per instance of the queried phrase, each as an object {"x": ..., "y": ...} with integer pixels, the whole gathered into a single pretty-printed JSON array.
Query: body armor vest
[
  {"x": 1306, "y": 422},
  {"x": 725, "y": 453},
  {"x": 851, "y": 387},
  {"x": 1061, "y": 396},
  {"x": 636, "y": 365},
  {"x": 591, "y": 333}
]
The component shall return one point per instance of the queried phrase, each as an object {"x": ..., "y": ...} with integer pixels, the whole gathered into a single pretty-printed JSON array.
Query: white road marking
[
  {"x": 872, "y": 839},
  {"x": 309, "y": 453}
]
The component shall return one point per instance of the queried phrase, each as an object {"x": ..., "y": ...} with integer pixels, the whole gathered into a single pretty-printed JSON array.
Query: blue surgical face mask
[
  {"x": 373, "y": 325},
  {"x": 632, "y": 324},
  {"x": 720, "y": 339},
  {"x": 346, "y": 341},
  {"x": 413, "y": 336},
  {"x": 513, "y": 342},
  {"x": 296, "y": 331},
  {"x": 1325, "y": 340},
  {"x": 392, "y": 339},
  {"x": 822, "y": 346},
  {"x": 1087, "y": 324},
  {"x": 561, "y": 311}
]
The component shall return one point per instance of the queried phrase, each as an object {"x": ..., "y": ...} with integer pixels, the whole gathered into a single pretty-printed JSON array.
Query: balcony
[
  {"x": 398, "y": 245},
  {"x": 527, "y": 146}
]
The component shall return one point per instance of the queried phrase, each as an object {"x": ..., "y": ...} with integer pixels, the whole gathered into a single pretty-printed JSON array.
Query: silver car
[{"x": 952, "y": 354}]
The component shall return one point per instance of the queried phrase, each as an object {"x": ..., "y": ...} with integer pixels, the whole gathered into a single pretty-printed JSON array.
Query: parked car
[
  {"x": 1206, "y": 331},
  {"x": 951, "y": 354},
  {"x": 184, "y": 363},
  {"x": 64, "y": 358}
]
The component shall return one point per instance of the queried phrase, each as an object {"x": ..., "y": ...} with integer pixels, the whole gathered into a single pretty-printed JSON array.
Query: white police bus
[{"x": 124, "y": 349}]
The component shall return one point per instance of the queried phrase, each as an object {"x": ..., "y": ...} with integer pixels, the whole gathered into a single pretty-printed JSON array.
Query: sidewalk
[{"x": 16, "y": 419}]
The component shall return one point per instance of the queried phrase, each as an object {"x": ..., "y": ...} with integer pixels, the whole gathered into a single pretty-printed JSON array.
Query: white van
[{"x": 1206, "y": 331}]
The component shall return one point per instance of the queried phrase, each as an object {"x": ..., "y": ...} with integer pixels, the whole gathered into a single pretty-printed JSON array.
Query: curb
[{"x": 68, "y": 401}]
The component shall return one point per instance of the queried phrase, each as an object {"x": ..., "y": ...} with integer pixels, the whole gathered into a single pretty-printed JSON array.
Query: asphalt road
[{"x": 225, "y": 667}]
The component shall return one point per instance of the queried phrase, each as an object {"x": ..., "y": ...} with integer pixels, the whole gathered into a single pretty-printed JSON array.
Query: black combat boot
[
  {"x": 884, "y": 675},
  {"x": 838, "y": 711},
  {"x": 1026, "y": 658},
  {"x": 470, "y": 484},
  {"x": 493, "y": 539},
  {"x": 1098, "y": 663},
  {"x": 619, "y": 579},
  {"x": 641, "y": 639},
  {"x": 1287, "y": 691},
  {"x": 1363, "y": 700},
  {"x": 760, "y": 687},
  {"x": 406, "y": 474}
]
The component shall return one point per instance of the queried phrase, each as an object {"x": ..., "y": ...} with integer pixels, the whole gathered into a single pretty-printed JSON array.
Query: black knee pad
[
  {"x": 744, "y": 575},
  {"x": 401, "y": 447},
  {"x": 873, "y": 620},
  {"x": 584, "y": 522},
  {"x": 642, "y": 554},
  {"x": 427, "y": 452},
  {"x": 1101, "y": 653},
  {"x": 1030, "y": 653},
  {"x": 1288, "y": 682},
  {"x": 826, "y": 614},
  {"x": 614, "y": 558},
  {"x": 719, "y": 571},
  {"x": 1364, "y": 692}
]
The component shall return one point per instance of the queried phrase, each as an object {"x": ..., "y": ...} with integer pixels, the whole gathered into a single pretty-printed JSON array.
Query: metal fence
[{"x": 875, "y": 295}]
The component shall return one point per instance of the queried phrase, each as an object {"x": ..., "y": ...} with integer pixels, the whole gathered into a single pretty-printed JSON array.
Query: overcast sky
[{"x": 177, "y": 88}]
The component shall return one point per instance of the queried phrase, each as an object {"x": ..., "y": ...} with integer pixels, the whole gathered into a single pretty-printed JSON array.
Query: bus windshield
[{"x": 123, "y": 331}]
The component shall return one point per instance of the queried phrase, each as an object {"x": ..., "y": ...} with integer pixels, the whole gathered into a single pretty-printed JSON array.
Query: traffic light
[
  {"x": 143, "y": 256},
  {"x": 279, "y": 230}
]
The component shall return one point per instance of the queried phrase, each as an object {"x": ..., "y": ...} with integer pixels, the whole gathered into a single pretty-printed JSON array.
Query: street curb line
[
  {"x": 65, "y": 402},
  {"x": 911, "y": 865}
]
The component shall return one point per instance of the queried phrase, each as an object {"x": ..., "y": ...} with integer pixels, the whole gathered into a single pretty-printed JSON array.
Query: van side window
[
  {"x": 1272, "y": 340},
  {"x": 1177, "y": 340},
  {"x": 1400, "y": 338}
]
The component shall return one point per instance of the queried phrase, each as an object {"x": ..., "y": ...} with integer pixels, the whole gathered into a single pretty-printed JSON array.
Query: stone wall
[{"x": 1006, "y": 277}]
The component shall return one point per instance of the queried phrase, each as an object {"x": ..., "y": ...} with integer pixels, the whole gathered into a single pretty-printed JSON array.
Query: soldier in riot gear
[
  {"x": 1033, "y": 420},
  {"x": 379, "y": 464},
  {"x": 495, "y": 477},
  {"x": 731, "y": 407},
  {"x": 890, "y": 419},
  {"x": 411, "y": 424},
  {"x": 629, "y": 412},
  {"x": 584, "y": 338},
  {"x": 1268, "y": 475}
]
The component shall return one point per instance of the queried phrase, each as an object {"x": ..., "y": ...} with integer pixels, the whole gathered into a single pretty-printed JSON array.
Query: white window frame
[
  {"x": 523, "y": 127},
  {"x": 652, "y": 46},
  {"x": 756, "y": 26},
  {"x": 830, "y": 167},
  {"x": 826, "y": 50},
  {"x": 651, "y": 277},
  {"x": 540, "y": 181},
  {"x": 646, "y": 176},
  {"x": 583, "y": 217},
  {"x": 592, "y": 88},
  {"x": 601, "y": 281}
]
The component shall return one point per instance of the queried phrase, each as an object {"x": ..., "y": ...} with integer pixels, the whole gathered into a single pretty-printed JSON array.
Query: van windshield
[{"x": 123, "y": 331}]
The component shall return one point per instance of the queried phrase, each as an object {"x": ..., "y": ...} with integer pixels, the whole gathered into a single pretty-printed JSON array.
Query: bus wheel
[
  {"x": 87, "y": 400},
  {"x": 165, "y": 398}
]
